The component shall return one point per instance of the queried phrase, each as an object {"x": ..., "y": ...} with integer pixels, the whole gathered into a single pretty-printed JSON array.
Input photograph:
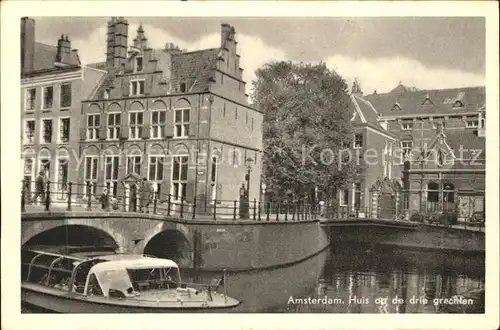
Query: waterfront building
[
  {"x": 53, "y": 83},
  {"x": 373, "y": 146},
  {"x": 441, "y": 140},
  {"x": 181, "y": 119}
]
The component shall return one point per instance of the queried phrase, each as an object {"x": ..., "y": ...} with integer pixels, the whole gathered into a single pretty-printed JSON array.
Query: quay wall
[
  {"x": 239, "y": 245},
  {"x": 419, "y": 236}
]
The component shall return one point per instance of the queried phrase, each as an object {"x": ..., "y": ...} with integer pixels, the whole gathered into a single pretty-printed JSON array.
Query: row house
[
  {"x": 180, "y": 119},
  {"x": 373, "y": 146},
  {"x": 53, "y": 83},
  {"x": 441, "y": 141}
]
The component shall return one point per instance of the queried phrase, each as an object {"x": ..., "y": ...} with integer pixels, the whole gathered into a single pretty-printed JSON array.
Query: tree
[{"x": 307, "y": 115}]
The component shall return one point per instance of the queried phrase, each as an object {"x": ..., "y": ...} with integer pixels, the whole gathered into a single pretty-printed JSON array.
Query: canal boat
[{"x": 113, "y": 283}]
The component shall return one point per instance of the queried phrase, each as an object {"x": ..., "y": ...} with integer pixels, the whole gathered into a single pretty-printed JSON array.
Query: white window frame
[
  {"x": 354, "y": 141},
  {"x": 25, "y": 130},
  {"x": 136, "y": 66},
  {"x": 32, "y": 172},
  {"x": 42, "y": 160},
  {"x": 138, "y": 89},
  {"x": 184, "y": 125},
  {"x": 26, "y": 93},
  {"x": 61, "y": 192},
  {"x": 42, "y": 130},
  {"x": 129, "y": 158},
  {"x": 115, "y": 129},
  {"x": 389, "y": 170},
  {"x": 409, "y": 148},
  {"x": 43, "y": 97},
  {"x": 158, "y": 175},
  {"x": 390, "y": 149},
  {"x": 406, "y": 126},
  {"x": 59, "y": 128},
  {"x": 93, "y": 180},
  {"x": 94, "y": 129},
  {"x": 61, "y": 98},
  {"x": 344, "y": 194},
  {"x": 475, "y": 123},
  {"x": 384, "y": 164},
  {"x": 157, "y": 125},
  {"x": 182, "y": 183},
  {"x": 113, "y": 182},
  {"x": 136, "y": 128}
]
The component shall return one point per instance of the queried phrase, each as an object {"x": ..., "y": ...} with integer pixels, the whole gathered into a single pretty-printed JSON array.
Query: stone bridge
[{"x": 203, "y": 244}]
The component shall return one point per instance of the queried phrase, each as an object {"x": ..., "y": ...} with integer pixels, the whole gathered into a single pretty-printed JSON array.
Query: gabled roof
[
  {"x": 45, "y": 57},
  {"x": 442, "y": 101},
  {"x": 468, "y": 142},
  {"x": 194, "y": 68},
  {"x": 365, "y": 114}
]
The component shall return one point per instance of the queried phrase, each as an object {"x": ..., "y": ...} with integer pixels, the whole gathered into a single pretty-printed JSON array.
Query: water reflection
[{"x": 360, "y": 279}]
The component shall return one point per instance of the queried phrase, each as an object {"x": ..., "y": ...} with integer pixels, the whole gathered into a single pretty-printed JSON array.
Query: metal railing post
[
  {"x": 234, "y": 210},
  {"x": 23, "y": 197},
  {"x": 293, "y": 212},
  {"x": 182, "y": 207},
  {"x": 47, "y": 197},
  {"x": 194, "y": 208},
  {"x": 260, "y": 206},
  {"x": 108, "y": 186},
  {"x": 215, "y": 209},
  {"x": 278, "y": 212},
  {"x": 70, "y": 188},
  {"x": 286, "y": 212},
  {"x": 89, "y": 206},
  {"x": 155, "y": 202},
  {"x": 254, "y": 208},
  {"x": 168, "y": 205},
  {"x": 268, "y": 210}
]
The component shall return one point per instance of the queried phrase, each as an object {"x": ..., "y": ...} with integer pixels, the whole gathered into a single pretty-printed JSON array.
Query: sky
[{"x": 425, "y": 52}]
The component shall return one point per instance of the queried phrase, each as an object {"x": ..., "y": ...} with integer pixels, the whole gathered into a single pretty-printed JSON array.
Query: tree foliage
[{"x": 307, "y": 116}]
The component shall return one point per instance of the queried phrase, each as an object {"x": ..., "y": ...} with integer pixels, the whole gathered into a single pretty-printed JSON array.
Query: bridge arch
[
  {"x": 72, "y": 232},
  {"x": 170, "y": 243}
]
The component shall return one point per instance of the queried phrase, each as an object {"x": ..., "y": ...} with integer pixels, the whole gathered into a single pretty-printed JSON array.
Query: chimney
[
  {"x": 27, "y": 44},
  {"x": 63, "y": 50},
  {"x": 120, "y": 42},
  {"x": 110, "y": 42},
  {"x": 226, "y": 33}
]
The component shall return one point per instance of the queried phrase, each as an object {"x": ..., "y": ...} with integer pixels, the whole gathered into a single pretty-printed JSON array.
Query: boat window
[
  {"x": 115, "y": 279},
  {"x": 94, "y": 289},
  {"x": 39, "y": 268},
  {"x": 154, "y": 278},
  {"x": 80, "y": 275}
]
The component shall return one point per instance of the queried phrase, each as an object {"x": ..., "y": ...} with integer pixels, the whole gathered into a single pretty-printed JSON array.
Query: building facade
[
  {"x": 180, "y": 119},
  {"x": 53, "y": 83},
  {"x": 441, "y": 146}
]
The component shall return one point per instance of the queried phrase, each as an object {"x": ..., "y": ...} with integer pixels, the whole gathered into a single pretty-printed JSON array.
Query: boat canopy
[{"x": 130, "y": 262}]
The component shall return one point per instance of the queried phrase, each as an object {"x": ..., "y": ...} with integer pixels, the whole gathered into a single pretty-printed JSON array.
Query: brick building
[
  {"x": 373, "y": 146},
  {"x": 53, "y": 83},
  {"x": 441, "y": 146},
  {"x": 180, "y": 119}
]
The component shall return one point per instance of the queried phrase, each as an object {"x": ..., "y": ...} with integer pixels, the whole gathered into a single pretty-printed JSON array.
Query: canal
[{"x": 352, "y": 278}]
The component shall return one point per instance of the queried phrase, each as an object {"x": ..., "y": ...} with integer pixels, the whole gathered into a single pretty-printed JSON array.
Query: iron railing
[{"x": 92, "y": 197}]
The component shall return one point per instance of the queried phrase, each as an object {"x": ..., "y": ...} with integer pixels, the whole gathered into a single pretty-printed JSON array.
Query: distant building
[
  {"x": 180, "y": 119},
  {"x": 441, "y": 146},
  {"x": 373, "y": 146},
  {"x": 53, "y": 83}
]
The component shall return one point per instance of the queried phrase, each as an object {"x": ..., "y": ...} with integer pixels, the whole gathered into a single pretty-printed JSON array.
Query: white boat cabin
[{"x": 115, "y": 275}]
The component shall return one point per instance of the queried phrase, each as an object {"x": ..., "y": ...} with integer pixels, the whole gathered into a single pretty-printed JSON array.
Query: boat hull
[{"x": 64, "y": 302}]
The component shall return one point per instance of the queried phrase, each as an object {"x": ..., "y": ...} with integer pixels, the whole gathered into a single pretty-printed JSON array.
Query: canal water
[{"x": 353, "y": 278}]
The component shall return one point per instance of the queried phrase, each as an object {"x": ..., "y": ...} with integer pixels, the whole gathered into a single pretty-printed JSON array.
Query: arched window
[{"x": 182, "y": 118}]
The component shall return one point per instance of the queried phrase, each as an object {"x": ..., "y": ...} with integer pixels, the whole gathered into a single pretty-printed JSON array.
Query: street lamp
[
  {"x": 248, "y": 164},
  {"x": 263, "y": 188}
]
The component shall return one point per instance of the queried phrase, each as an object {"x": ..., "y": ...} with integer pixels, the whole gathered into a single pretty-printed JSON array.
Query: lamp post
[
  {"x": 263, "y": 188},
  {"x": 248, "y": 164}
]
